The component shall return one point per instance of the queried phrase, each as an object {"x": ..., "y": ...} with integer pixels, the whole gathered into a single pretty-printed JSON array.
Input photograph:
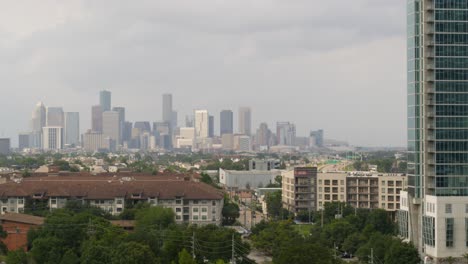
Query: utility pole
[
  {"x": 193, "y": 245},
  {"x": 371, "y": 261},
  {"x": 233, "y": 260},
  {"x": 321, "y": 224}
]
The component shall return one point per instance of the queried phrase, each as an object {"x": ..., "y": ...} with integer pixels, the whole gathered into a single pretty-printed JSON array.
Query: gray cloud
[{"x": 337, "y": 65}]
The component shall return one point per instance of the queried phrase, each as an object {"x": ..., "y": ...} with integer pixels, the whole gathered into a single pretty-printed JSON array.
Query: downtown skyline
[{"x": 273, "y": 63}]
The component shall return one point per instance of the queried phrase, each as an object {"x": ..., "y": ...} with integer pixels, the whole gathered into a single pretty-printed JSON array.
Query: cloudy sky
[{"x": 335, "y": 64}]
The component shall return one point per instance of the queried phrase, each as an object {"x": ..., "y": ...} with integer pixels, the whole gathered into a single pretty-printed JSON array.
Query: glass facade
[{"x": 437, "y": 97}]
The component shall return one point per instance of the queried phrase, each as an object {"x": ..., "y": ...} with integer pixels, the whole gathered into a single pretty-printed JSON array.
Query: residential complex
[{"x": 192, "y": 202}]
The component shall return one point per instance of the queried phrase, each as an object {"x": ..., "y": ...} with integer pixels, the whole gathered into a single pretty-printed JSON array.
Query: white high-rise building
[
  {"x": 201, "y": 124},
  {"x": 38, "y": 120},
  {"x": 52, "y": 138},
  {"x": 55, "y": 117},
  {"x": 111, "y": 125},
  {"x": 72, "y": 128}
]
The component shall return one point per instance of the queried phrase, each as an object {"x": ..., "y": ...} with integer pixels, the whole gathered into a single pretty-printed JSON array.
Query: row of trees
[
  {"x": 84, "y": 236},
  {"x": 337, "y": 229}
]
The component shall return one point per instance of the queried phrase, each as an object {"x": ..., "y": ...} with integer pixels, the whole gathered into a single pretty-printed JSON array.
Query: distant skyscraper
[
  {"x": 167, "y": 108},
  {"x": 111, "y": 125},
  {"x": 245, "y": 121},
  {"x": 105, "y": 100},
  {"x": 317, "y": 137},
  {"x": 94, "y": 141},
  {"x": 144, "y": 126},
  {"x": 286, "y": 133},
  {"x": 189, "y": 121},
  {"x": 174, "y": 120},
  {"x": 263, "y": 136},
  {"x": 211, "y": 126},
  {"x": 127, "y": 131},
  {"x": 72, "y": 128},
  {"x": 52, "y": 138},
  {"x": 38, "y": 120},
  {"x": 24, "y": 140},
  {"x": 226, "y": 120},
  {"x": 201, "y": 124},
  {"x": 4, "y": 146},
  {"x": 96, "y": 118},
  {"x": 55, "y": 117},
  {"x": 121, "y": 111}
]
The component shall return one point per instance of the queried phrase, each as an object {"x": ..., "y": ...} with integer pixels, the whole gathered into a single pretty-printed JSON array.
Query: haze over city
[{"x": 336, "y": 65}]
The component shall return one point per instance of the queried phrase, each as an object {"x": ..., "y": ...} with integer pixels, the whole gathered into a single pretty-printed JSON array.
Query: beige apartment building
[
  {"x": 331, "y": 187},
  {"x": 361, "y": 189},
  {"x": 299, "y": 189}
]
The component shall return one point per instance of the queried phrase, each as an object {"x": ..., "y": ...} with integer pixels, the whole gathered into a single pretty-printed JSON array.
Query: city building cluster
[{"x": 53, "y": 129}]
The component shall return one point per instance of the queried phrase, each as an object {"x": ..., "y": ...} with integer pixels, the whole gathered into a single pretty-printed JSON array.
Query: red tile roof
[
  {"x": 98, "y": 187},
  {"x": 22, "y": 218}
]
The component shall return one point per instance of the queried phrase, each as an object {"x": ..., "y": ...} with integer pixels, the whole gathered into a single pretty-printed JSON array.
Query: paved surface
[{"x": 259, "y": 257}]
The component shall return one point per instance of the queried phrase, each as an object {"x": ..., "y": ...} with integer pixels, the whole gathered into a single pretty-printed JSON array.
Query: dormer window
[
  {"x": 136, "y": 195},
  {"x": 38, "y": 195}
]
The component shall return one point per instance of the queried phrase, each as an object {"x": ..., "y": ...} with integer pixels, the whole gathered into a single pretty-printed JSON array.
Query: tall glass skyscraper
[
  {"x": 434, "y": 209},
  {"x": 105, "y": 100}
]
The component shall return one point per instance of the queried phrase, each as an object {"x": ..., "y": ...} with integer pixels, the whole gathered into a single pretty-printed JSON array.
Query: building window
[
  {"x": 178, "y": 209},
  {"x": 320, "y": 181},
  {"x": 178, "y": 217},
  {"x": 195, "y": 209},
  {"x": 204, "y": 217},
  {"x": 119, "y": 201},
  {"x": 214, "y": 203},
  {"x": 204, "y": 210},
  {"x": 195, "y": 217},
  {"x": 195, "y": 201},
  {"x": 342, "y": 182},
  {"x": 448, "y": 208},
  {"x": 449, "y": 232},
  {"x": 466, "y": 208},
  {"x": 327, "y": 182},
  {"x": 429, "y": 230}
]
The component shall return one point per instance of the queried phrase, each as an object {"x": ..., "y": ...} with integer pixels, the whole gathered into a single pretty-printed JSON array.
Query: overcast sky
[{"x": 335, "y": 64}]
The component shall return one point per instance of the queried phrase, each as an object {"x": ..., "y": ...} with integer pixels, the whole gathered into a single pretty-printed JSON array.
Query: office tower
[
  {"x": 245, "y": 120},
  {"x": 38, "y": 120},
  {"x": 210, "y": 126},
  {"x": 24, "y": 140},
  {"x": 317, "y": 138},
  {"x": 286, "y": 133},
  {"x": 110, "y": 125},
  {"x": 201, "y": 124},
  {"x": 174, "y": 120},
  {"x": 226, "y": 121},
  {"x": 52, "y": 138},
  {"x": 144, "y": 126},
  {"x": 227, "y": 141},
  {"x": 127, "y": 131},
  {"x": 105, "y": 100},
  {"x": 94, "y": 141},
  {"x": 96, "y": 118},
  {"x": 433, "y": 209},
  {"x": 72, "y": 128},
  {"x": 263, "y": 136},
  {"x": 54, "y": 117},
  {"x": 189, "y": 121},
  {"x": 4, "y": 146},
  {"x": 244, "y": 143},
  {"x": 167, "y": 108},
  {"x": 121, "y": 111}
]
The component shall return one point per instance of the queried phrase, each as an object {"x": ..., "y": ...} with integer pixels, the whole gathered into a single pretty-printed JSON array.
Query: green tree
[
  {"x": 70, "y": 257},
  {"x": 186, "y": 258},
  {"x": 133, "y": 253},
  {"x": 401, "y": 252},
  {"x": 155, "y": 216},
  {"x": 17, "y": 257}
]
